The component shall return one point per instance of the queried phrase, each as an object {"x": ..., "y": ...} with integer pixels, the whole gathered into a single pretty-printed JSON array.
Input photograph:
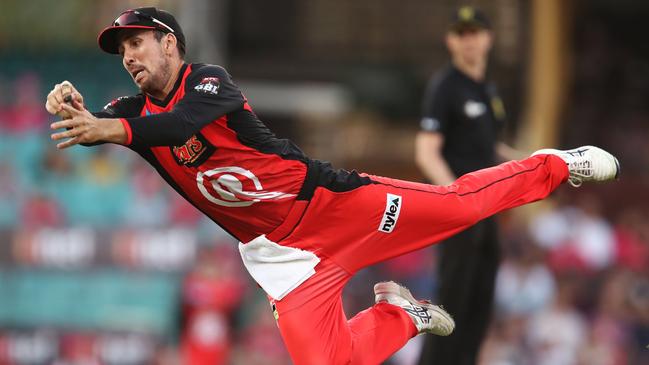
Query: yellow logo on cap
[{"x": 466, "y": 13}]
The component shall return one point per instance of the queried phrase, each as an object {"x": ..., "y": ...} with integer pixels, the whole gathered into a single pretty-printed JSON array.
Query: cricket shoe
[
  {"x": 587, "y": 163},
  {"x": 428, "y": 318}
]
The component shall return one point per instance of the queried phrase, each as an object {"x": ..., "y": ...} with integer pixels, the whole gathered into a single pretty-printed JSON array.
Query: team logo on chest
[
  {"x": 194, "y": 152},
  {"x": 233, "y": 186}
]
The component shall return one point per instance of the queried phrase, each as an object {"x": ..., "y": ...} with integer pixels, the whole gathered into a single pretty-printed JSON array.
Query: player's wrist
[{"x": 115, "y": 132}]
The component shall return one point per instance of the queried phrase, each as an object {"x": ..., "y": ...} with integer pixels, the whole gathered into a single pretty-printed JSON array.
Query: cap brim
[
  {"x": 474, "y": 24},
  {"x": 107, "y": 39}
]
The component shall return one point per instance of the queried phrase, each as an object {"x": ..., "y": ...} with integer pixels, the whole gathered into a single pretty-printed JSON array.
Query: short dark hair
[{"x": 158, "y": 34}]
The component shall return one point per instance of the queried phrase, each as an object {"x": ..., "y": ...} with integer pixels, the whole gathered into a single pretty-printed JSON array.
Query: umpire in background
[{"x": 462, "y": 119}]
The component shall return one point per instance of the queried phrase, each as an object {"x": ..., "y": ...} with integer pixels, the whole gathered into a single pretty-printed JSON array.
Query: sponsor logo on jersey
[
  {"x": 474, "y": 109},
  {"x": 391, "y": 214},
  {"x": 209, "y": 85},
  {"x": 233, "y": 186},
  {"x": 194, "y": 152}
]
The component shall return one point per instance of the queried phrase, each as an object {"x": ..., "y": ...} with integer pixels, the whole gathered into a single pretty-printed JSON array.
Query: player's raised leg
[
  {"x": 316, "y": 331},
  {"x": 401, "y": 216},
  {"x": 419, "y": 215}
]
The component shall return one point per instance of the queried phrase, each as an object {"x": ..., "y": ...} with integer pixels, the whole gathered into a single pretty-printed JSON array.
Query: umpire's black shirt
[{"x": 470, "y": 116}]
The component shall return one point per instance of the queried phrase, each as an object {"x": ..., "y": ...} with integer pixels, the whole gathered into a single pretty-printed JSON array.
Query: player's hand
[
  {"x": 82, "y": 127},
  {"x": 61, "y": 94}
]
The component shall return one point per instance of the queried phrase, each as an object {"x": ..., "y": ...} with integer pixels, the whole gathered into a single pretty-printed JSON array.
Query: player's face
[
  {"x": 472, "y": 45},
  {"x": 144, "y": 59}
]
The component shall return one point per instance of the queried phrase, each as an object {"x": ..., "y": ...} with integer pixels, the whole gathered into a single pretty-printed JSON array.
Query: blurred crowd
[{"x": 573, "y": 289}]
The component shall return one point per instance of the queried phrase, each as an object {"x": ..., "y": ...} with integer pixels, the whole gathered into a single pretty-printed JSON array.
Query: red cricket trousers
[{"x": 351, "y": 230}]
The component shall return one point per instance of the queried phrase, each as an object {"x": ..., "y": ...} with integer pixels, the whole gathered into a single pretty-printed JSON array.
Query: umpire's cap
[
  {"x": 469, "y": 17},
  {"x": 140, "y": 18}
]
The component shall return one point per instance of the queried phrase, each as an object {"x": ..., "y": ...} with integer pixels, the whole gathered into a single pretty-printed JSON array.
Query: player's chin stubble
[{"x": 157, "y": 80}]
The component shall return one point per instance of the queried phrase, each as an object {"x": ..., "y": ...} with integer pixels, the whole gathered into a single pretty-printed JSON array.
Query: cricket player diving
[{"x": 304, "y": 228}]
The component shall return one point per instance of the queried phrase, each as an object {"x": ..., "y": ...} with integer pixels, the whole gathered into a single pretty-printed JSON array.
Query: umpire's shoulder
[{"x": 442, "y": 79}]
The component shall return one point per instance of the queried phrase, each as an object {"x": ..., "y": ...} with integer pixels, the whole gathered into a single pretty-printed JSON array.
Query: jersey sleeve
[
  {"x": 122, "y": 107},
  {"x": 209, "y": 95},
  {"x": 436, "y": 106}
]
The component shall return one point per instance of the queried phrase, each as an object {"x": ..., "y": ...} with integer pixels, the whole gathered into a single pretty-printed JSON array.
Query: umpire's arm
[
  {"x": 429, "y": 159},
  {"x": 430, "y": 138}
]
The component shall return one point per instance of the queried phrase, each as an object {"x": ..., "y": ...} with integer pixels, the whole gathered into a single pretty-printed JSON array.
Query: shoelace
[
  {"x": 579, "y": 170},
  {"x": 435, "y": 320}
]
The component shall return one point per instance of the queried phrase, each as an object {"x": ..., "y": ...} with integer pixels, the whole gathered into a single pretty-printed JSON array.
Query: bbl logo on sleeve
[{"x": 209, "y": 85}]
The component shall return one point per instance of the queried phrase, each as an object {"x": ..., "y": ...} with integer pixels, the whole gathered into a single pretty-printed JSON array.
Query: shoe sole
[{"x": 390, "y": 287}]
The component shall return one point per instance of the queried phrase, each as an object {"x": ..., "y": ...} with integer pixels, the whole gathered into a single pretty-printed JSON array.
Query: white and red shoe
[
  {"x": 428, "y": 318},
  {"x": 587, "y": 163}
]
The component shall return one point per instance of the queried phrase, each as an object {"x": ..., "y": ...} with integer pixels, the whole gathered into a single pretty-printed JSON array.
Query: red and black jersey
[{"x": 208, "y": 144}]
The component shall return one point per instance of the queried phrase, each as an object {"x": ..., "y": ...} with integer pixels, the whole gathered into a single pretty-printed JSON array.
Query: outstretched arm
[
  {"x": 209, "y": 95},
  {"x": 83, "y": 127}
]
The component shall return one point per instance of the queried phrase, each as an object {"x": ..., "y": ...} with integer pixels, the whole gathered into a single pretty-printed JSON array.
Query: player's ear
[{"x": 170, "y": 43}]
